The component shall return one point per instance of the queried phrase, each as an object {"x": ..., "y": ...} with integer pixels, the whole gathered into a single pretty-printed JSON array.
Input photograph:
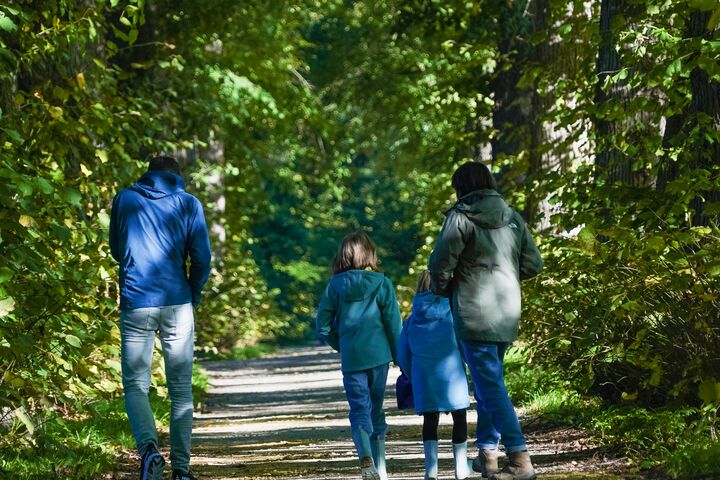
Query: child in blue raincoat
[
  {"x": 359, "y": 317},
  {"x": 428, "y": 354}
]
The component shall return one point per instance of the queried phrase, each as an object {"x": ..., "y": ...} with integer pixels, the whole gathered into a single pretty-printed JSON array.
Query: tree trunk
[
  {"x": 511, "y": 113},
  {"x": 539, "y": 104},
  {"x": 689, "y": 128},
  {"x": 706, "y": 109},
  {"x": 612, "y": 162}
]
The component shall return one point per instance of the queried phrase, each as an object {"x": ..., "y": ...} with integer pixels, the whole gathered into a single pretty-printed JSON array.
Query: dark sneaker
[
  {"x": 152, "y": 465},
  {"x": 180, "y": 475}
]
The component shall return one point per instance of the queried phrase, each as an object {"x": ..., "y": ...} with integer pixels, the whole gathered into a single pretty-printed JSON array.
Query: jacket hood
[
  {"x": 357, "y": 285},
  {"x": 428, "y": 307},
  {"x": 485, "y": 208},
  {"x": 158, "y": 184}
]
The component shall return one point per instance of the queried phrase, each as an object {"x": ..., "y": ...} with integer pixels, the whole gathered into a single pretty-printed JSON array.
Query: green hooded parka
[{"x": 483, "y": 251}]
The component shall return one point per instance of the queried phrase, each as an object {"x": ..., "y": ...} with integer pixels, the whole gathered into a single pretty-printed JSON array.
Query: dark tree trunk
[
  {"x": 512, "y": 104},
  {"x": 689, "y": 128},
  {"x": 541, "y": 55},
  {"x": 612, "y": 162},
  {"x": 706, "y": 109}
]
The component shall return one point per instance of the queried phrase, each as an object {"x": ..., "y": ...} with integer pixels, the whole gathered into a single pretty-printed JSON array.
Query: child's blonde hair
[
  {"x": 423, "y": 284},
  {"x": 357, "y": 252}
]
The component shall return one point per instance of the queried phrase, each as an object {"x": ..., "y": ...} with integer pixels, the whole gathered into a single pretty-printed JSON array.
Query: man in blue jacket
[{"x": 154, "y": 227}]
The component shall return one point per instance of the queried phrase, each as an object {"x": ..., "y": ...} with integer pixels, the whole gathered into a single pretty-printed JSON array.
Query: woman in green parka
[{"x": 483, "y": 252}]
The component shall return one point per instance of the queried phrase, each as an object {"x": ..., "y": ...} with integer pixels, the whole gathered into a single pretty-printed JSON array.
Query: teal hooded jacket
[
  {"x": 483, "y": 251},
  {"x": 359, "y": 317}
]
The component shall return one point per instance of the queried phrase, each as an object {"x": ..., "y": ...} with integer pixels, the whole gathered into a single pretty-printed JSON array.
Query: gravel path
[{"x": 284, "y": 416}]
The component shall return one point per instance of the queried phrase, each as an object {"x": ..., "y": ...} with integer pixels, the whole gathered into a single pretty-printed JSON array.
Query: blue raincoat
[{"x": 428, "y": 354}]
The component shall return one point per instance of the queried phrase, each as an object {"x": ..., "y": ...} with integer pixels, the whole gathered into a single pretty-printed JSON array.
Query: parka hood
[
  {"x": 485, "y": 208},
  {"x": 428, "y": 307},
  {"x": 357, "y": 285},
  {"x": 157, "y": 184}
]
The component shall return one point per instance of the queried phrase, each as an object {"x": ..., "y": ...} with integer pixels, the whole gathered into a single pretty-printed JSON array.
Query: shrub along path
[{"x": 284, "y": 417}]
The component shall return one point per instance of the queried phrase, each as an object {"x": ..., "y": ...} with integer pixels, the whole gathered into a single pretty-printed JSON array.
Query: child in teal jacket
[{"x": 359, "y": 317}]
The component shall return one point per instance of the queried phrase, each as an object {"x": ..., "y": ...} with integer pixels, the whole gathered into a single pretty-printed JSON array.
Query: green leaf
[
  {"x": 674, "y": 67},
  {"x": 73, "y": 340},
  {"x": 104, "y": 219},
  {"x": 132, "y": 36},
  {"x": 709, "y": 391},
  {"x": 72, "y": 196},
  {"x": 107, "y": 385},
  {"x": 7, "y": 305},
  {"x": 13, "y": 134},
  {"x": 714, "y": 270},
  {"x": 44, "y": 186},
  {"x": 6, "y": 274},
  {"x": 703, "y": 5},
  {"x": 6, "y": 23},
  {"x": 714, "y": 20},
  {"x": 25, "y": 189},
  {"x": 113, "y": 364}
]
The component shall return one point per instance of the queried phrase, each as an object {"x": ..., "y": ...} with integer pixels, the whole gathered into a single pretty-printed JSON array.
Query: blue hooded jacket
[
  {"x": 359, "y": 317},
  {"x": 154, "y": 227},
  {"x": 428, "y": 354}
]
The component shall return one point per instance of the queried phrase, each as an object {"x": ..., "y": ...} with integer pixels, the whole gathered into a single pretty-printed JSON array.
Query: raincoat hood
[
  {"x": 157, "y": 184},
  {"x": 357, "y": 285},
  {"x": 485, "y": 208},
  {"x": 428, "y": 307}
]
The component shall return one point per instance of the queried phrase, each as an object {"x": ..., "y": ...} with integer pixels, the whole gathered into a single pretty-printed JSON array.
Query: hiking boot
[
  {"x": 152, "y": 464},
  {"x": 367, "y": 468},
  {"x": 180, "y": 475},
  {"x": 519, "y": 467},
  {"x": 486, "y": 463}
]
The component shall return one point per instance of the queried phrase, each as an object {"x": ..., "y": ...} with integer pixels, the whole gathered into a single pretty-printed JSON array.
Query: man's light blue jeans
[
  {"x": 176, "y": 326},
  {"x": 497, "y": 420},
  {"x": 365, "y": 391}
]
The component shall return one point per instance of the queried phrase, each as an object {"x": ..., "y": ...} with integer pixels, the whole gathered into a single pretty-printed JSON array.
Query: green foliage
[
  {"x": 296, "y": 123},
  {"x": 677, "y": 440},
  {"x": 81, "y": 447},
  {"x": 695, "y": 460}
]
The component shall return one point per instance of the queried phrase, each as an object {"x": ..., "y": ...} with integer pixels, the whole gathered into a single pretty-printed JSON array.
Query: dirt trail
[{"x": 285, "y": 417}]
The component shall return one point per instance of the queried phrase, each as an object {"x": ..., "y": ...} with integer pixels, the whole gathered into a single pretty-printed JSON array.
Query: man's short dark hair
[
  {"x": 165, "y": 164},
  {"x": 472, "y": 176}
]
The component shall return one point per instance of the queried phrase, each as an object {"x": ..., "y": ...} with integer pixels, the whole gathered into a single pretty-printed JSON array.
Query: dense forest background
[{"x": 297, "y": 122}]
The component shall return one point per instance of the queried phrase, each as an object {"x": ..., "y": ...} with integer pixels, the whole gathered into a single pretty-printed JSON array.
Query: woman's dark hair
[
  {"x": 472, "y": 176},
  {"x": 357, "y": 252},
  {"x": 165, "y": 164},
  {"x": 423, "y": 282}
]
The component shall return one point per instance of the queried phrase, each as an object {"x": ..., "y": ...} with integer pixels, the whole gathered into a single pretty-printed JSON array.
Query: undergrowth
[
  {"x": 680, "y": 441},
  {"x": 80, "y": 446}
]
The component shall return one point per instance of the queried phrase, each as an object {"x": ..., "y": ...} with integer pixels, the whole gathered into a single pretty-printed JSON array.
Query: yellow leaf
[
  {"x": 55, "y": 112},
  {"x": 25, "y": 220},
  {"x": 80, "y": 77},
  {"x": 102, "y": 155},
  {"x": 629, "y": 397},
  {"x": 86, "y": 171}
]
